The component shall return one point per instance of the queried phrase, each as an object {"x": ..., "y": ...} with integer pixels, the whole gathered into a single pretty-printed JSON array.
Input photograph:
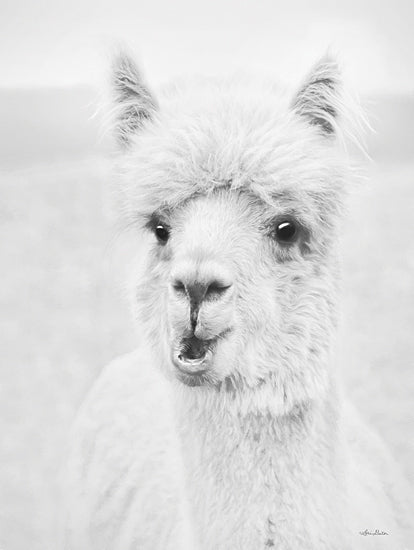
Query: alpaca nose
[{"x": 199, "y": 290}]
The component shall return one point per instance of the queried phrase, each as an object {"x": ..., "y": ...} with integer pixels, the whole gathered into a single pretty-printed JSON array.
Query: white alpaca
[{"x": 226, "y": 429}]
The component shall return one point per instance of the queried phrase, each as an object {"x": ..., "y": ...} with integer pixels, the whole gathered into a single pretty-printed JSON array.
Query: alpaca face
[
  {"x": 239, "y": 287},
  {"x": 239, "y": 195}
]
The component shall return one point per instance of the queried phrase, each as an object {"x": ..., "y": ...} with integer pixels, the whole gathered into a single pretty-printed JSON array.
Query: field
[{"x": 63, "y": 316}]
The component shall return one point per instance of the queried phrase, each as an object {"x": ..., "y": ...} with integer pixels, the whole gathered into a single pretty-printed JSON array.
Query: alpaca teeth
[{"x": 191, "y": 362}]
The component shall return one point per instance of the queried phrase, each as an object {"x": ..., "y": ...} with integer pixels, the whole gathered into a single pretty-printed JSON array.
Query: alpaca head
[{"x": 238, "y": 188}]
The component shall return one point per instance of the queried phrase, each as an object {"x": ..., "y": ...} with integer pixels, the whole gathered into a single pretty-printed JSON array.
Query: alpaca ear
[
  {"x": 134, "y": 104},
  {"x": 319, "y": 98}
]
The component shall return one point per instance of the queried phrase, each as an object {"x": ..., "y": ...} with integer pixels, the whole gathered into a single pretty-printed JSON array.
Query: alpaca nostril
[
  {"x": 216, "y": 289},
  {"x": 197, "y": 292},
  {"x": 179, "y": 286}
]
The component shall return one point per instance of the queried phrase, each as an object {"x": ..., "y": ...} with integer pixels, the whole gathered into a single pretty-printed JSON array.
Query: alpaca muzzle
[
  {"x": 201, "y": 296},
  {"x": 193, "y": 359},
  {"x": 199, "y": 292}
]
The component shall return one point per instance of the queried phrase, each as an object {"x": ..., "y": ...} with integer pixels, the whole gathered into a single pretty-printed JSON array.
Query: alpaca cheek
[
  {"x": 260, "y": 307},
  {"x": 259, "y": 333}
]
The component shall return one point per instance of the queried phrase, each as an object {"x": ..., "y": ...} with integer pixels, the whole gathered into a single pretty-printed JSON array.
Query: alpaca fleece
[{"x": 259, "y": 449}]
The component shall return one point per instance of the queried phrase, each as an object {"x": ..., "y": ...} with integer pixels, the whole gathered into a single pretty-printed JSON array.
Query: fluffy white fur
[{"x": 265, "y": 452}]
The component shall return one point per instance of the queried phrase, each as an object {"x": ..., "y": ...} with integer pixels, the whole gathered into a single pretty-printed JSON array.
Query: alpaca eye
[
  {"x": 286, "y": 232},
  {"x": 162, "y": 233}
]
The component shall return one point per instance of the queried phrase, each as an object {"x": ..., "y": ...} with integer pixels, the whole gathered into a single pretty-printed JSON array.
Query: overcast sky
[{"x": 55, "y": 42}]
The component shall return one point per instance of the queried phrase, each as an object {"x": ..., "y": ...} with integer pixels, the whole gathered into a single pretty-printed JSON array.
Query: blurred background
[{"x": 63, "y": 314}]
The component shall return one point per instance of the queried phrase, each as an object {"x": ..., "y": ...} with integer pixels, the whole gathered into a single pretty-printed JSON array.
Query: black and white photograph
[{"x": 207, "y": 257}]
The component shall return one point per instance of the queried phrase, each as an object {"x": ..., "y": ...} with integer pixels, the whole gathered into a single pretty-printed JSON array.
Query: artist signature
[{"x": 376, "y": 532}]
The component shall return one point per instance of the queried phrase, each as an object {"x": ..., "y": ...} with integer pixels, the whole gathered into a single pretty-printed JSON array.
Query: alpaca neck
[{"x": 267, "y": 468}]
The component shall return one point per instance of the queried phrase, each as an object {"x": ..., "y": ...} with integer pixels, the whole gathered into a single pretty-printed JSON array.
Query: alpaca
[{"x": 227, "y": 428}]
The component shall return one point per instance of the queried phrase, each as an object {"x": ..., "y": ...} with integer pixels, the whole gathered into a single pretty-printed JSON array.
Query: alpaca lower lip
[
  {"x": 192, "y": 366},
  {"x": 197, "y": 372},
  {"x": 191, "y": 372}
]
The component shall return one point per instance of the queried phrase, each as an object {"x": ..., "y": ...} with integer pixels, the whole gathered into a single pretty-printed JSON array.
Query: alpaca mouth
[
  {"x": 192, "y": 359},
  {"x": 192, "y": 354},
  {"x": 194, "y": 349}
]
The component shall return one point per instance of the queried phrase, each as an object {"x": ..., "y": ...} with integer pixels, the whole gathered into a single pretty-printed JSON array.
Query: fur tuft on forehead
[{"x": 238, "y": 134}]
